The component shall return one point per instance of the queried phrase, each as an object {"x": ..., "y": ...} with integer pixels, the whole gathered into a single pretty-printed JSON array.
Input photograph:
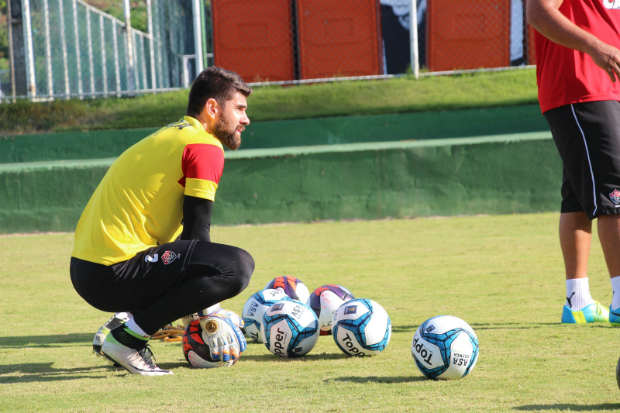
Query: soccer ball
[
  {"x": 293, "y": 287},
  {"x": 361, "y": 327},
  {"x": 290, "y": 329},
  {"x": 325, "y": 301},
  {"x": 445, "y": 348},
  {"x": 254, "y": 309},
  {"x": 196, "y": 348}
]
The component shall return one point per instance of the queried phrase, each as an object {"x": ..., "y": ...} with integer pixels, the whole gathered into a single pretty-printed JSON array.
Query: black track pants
[{"x": 164, "y": 283}]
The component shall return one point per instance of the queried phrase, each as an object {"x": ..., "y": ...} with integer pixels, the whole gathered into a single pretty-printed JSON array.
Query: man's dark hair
[{"x": 217, "y": 83}]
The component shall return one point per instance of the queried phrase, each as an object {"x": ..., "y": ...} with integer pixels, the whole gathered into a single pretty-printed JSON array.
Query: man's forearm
[{"x": 547, "y": 19}]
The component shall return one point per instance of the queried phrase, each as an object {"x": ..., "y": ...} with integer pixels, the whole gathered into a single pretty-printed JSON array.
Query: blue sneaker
[
  {"x": 594, "y": 313},
  {"x": 614, "y": 317}
]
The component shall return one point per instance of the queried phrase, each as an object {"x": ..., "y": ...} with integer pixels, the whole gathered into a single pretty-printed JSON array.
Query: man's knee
[
  {"x": 232, "y": 263},
  {"x": 244, "y": 268}
]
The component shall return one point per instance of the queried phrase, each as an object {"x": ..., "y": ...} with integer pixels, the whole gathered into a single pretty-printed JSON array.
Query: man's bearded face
[{"x": 229, "y": 133}]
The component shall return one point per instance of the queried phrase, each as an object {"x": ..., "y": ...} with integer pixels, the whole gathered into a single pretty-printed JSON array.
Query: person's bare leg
[
  {"x": 609, "y": 235},
  {"x": 575, "y": 239}
]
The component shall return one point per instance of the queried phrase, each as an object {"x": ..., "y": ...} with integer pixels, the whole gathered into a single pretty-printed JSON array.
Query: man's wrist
[{"x": 593, "y": 46}]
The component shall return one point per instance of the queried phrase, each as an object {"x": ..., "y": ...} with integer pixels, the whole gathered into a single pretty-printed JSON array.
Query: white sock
[
  {"x": 131, "y": 324},
  {"x": 615, "y": 286},
  {"x": 578, "y": 294},
  {"x": 125, "y": 316}
]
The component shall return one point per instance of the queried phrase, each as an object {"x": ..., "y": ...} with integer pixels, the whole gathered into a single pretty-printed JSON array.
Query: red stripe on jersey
[{"x": 202, "y": 161}]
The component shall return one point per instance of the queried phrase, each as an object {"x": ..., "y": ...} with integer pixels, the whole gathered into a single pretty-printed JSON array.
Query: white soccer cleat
[
  {"x": 135, "y": 361},
  {"x": 114, "y": 321}
]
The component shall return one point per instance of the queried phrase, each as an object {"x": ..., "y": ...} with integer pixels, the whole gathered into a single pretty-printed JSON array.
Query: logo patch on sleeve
[{"x": 168, "y": 257}]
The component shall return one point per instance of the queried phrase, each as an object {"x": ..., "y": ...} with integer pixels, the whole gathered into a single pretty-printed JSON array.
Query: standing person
[
  {"x": 578, "y": 88},
  {"x": 127, "y": 256}
]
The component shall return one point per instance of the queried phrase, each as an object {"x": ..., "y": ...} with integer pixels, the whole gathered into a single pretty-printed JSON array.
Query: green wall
[
  {"x": 307, "y": 132},
  {"x": 395, "y": 127},
  {"x": 490, "y": 175}
]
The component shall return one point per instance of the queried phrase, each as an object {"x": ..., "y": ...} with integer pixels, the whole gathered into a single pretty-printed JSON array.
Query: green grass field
[{"x": 502, "y": 274}]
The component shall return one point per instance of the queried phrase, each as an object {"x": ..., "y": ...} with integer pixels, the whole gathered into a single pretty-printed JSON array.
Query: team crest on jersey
[
  {"x": 168, "y": 257},
  {"x": 615, "y": 197}
]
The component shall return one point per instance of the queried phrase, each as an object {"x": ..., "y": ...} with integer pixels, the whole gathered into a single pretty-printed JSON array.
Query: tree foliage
[{"x": 4, "y": 32}]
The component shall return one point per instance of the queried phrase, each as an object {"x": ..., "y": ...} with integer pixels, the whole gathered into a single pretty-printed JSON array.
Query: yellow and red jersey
[{"x": 139, "y": 202}]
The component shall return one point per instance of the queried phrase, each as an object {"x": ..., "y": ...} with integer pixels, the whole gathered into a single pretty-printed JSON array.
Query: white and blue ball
[
  {"x": 290, "y": 329},
  {"x": 445, "y": 348},
  {"x": 255, "y": 308},
  {"x": 361, "y": 327}
]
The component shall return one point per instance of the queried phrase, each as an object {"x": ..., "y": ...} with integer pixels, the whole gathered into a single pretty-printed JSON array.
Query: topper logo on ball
[
  {"x": 279, "y": 344},
  {"x": 351, "y": 347},
  {"x": 426, "y": 355}
]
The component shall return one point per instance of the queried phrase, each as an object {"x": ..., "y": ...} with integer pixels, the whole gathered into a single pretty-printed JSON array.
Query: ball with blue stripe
[
  {"x": 255, "y": 308},
  {"x": 289, "y": 329},
  {"x": 445, "y": 348},
  {"x": 361, "y": 327}
]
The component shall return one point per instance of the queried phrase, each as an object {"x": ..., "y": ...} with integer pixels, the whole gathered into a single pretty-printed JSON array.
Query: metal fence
[
  {"x": 77, "y": 50},
  {"x": 67, "y": 48},
  {"x": 302, "y": 41}
]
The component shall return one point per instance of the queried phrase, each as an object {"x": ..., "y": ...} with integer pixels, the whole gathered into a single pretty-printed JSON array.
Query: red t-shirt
[{"x": 566, "y": 76}]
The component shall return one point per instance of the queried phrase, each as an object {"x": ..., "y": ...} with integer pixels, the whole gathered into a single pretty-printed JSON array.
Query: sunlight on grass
[{"x": 501, "y": 274}]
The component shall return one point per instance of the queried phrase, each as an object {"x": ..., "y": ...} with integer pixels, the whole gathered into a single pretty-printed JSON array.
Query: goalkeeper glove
[{"x": 225, "y": 339}]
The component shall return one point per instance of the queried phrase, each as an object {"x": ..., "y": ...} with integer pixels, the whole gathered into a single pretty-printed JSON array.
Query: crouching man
[{"x": 128, "y": 255}]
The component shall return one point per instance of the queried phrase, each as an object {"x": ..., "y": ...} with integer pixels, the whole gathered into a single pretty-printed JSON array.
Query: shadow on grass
[
  {"x": 270, "y": 358},
  {"x": 510, "y": 326},
  {"x": 403, "y": 329},
  {"x": 36, "y": 372},
  {"x": 56, "y": 340},
  {"x": 485, "y": 326},
  {"x": 175, "y": 365},
  {"x": 498, "y": 326},
  {"x": 570, "y": 407},
  {"x": 377, "y": 379}
]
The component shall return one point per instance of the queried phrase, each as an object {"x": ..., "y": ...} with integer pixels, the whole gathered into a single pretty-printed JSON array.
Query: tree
[{"x": 4, "y": 33}]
